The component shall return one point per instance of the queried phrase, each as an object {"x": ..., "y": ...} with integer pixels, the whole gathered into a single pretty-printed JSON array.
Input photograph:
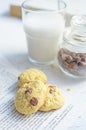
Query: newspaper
[{"x": 10, "y": 119}]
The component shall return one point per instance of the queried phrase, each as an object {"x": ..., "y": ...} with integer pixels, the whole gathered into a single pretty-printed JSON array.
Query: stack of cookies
[{"x": 35, "y": 94}]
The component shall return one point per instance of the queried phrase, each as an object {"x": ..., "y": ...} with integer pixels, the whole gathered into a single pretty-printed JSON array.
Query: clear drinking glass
[{"x": 44, "y": 26}]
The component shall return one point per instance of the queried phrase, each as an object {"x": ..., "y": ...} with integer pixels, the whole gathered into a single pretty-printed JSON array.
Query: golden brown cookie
[
  {"x": 54, "y": 99},
  {"x": 31, "y": 75},
  {"x": 30, "y": 97}
]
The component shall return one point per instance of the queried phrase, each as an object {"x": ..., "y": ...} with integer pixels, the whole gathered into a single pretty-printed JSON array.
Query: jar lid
[{"x": 78, "y": 26}]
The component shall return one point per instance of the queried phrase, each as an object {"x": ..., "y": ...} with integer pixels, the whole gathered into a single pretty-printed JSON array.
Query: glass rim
[{"x": 39, "y": 9}]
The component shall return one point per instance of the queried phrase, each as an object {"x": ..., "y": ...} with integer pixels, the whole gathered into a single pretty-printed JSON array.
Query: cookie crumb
[
  {"x": 79, "y": 116},
  {"x": 68, "y": 89},
  {"x": 52, "y": 65}
]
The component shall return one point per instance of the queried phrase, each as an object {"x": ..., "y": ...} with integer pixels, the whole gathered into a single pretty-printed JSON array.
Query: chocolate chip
[
  {"x": 77, "y": 59},
  {"x": 65, "y": 64},
  {"x": 63, "y": 51},
  {"x": 67, "y": 57},
  {"x": 66, "y": 51},
  {"x": 73, "y": 54},
  {"x": 82, "y": 55},
  {"x": 82, "y": 63},
  {"x": 28, "y": 91},
  {"x": 73, "y": 65},
  {"x": 83, "y": 59},
  {"x": 52, "y": 89},
  {"x": 19, "y": 78},
  {"x": 34, "y": 101},
  {"x": 72, "y": 61}
]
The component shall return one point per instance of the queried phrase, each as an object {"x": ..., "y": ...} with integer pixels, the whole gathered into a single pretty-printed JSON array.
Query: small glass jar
[{"x": 72, "y": 52}]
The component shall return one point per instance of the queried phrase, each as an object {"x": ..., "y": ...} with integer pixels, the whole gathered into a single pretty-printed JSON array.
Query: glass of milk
[{"x": 44, "y": 25}]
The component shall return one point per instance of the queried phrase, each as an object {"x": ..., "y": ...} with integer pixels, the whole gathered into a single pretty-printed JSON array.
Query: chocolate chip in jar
[
  {"x": 73, "y": 65},
  {"x": 71, "y": 61},
  {"x": 72, "y": 51},
  {"x": 77, "y": 59},
  {"x": 73, "y": 54},
  {"x": 83, "y": 59},
  {"x": 67, "y": 57},
  {"x": 82, "y": 64}
]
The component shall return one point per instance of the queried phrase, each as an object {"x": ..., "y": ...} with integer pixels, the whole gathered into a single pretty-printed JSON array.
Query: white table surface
[{"x": 12, "y": 40}]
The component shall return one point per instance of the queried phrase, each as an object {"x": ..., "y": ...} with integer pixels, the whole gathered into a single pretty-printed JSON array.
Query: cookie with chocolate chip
[
  {"x": 30, "y": 97},
  {"x": 31, "y": 75},
  {"x": 54, "y": 99}
]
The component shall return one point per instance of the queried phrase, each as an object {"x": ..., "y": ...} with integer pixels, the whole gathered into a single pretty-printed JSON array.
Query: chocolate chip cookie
[
  {"x": 31, "y": 75},
  {"x": 30, "y": 97},
  {"x": 54, "y": 99}
]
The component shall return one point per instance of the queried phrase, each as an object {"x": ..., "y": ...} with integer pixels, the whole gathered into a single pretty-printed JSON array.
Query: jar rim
[
  {"x": 79, "y": 20},
  {"x": 60, "y": 9}
]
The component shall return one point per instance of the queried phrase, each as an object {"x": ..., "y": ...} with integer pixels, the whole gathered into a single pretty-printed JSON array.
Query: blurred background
[
  {"x": 5, "y": 6},
  {"x": 12, "y": 7},
  {"x": 11, "y": 25}
]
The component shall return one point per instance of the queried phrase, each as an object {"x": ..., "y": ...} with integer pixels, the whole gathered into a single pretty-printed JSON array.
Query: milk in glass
[{"x": 44, "y": 31}]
